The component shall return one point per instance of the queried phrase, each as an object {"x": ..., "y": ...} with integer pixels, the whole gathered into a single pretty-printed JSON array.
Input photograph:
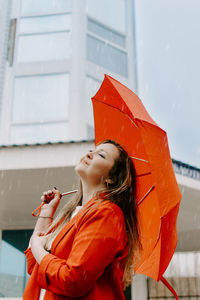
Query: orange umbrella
[{"x": 120, "y": 115}]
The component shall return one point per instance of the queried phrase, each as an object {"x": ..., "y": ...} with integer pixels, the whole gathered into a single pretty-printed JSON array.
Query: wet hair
[{"x": 122, "y": 191}]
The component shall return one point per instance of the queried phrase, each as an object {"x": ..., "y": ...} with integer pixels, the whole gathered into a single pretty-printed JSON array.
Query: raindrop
[
  {"x": 84, "y": 275},
  {"x": 195, "y": 217},
  {"x": 122, "y": 128}
]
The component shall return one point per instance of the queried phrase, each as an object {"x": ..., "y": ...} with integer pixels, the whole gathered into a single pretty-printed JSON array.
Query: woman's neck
[{"x": 89, "y": 192}]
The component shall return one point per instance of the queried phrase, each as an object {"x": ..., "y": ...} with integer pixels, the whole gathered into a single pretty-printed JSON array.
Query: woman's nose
[{"x": 89, "y": 155}]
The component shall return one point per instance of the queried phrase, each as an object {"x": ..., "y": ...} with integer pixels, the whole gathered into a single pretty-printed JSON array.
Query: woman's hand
[
  {"x": 52, "y": 200},
  {"x": 37, "y": 243},
  {"x": 38, "y": 239}
]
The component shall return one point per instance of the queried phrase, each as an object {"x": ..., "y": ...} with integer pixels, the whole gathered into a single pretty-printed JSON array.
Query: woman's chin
[{"x": 79, "y": 170}]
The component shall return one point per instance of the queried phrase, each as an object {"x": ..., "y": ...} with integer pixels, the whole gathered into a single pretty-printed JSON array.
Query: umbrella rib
[
  {"x": 147, "y": 193},
  {"x": 159, "y": 231},
  {"x": 144, "y": 174},
  {"x": 117, "y": 109},
  {"x": 161, "y": 217},
  {"x": 130, "y": 119},
  {"x": 141, "y": 159}
]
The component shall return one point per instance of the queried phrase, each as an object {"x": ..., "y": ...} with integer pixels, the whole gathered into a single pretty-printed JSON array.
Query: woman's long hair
[{"x": 122, "y": 192}]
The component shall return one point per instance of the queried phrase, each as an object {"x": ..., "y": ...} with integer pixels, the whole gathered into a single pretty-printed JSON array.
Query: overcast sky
[{"x": 168, "y": 70}]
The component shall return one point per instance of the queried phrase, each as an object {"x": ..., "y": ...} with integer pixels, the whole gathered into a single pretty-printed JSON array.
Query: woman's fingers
[
  {"x": 50, "y": 195},
  {"x": 56, "y": 192}
]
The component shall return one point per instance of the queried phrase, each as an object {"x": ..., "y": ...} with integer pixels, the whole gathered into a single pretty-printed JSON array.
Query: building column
[
  {"x": 77, "y": 83},
  {"x": 139, "y": 287},
  {"x": 4, "y": 38}
]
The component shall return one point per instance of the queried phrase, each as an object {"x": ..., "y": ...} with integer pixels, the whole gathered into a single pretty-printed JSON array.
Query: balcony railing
[{"x": 186, "y": 170}]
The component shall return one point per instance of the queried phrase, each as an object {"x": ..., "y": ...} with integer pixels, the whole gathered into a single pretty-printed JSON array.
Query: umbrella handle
[
  {"x": 44, "y": 202},
  {"x": 167, "y": 284}
]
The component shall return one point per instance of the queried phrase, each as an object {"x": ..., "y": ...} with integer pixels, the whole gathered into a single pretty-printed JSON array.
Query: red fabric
[{"x": 87, "y": 258}]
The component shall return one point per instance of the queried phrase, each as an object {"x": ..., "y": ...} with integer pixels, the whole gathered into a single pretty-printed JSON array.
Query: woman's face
[{"x": 95, "y": 166}]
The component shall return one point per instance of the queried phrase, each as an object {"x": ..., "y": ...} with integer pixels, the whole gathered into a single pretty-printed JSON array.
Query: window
[
  {"x": 106, "y": 37},
  {"x": 13, "y": 276},
  {"x": 35, "y": 98},
  {"x": 92, "y": 86},
  {"x": 39, "y": 133},
  {"x": 44, "y": 47},
  {"x": 45, "y": 6},
  {"x": 53, "y": 23},
  {"x": 113, "y": 17},
  {"x": 44, "y": 38},
  {"x": 103, "y": 32},
  {"x": 107, "y": 56},
  {"x": 40, "y": 109}
]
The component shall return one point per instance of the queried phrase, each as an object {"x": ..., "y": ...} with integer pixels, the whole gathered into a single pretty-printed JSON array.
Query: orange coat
[{"x": 87, "y": 258}]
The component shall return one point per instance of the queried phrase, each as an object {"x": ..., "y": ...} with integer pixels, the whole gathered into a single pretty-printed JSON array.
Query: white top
[{"x": 42, "y": 291}]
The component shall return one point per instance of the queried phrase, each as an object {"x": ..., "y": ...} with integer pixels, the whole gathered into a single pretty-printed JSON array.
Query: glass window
[
  {"x": 45, "y": 24},
  {"x": 13, "y": 276},
  {"x": 39, "y": 133},
  {"x": 92, "y": 86},
  {"x": 41, "y": 98},
  {"x": 108, "y": 12},
  {"x": 107, "y": 56},
  {"x": 45, "y": 6},
  {"x": 106, "y": 33},
  {"x": 44, "y": 47},
  {"x": 90, "y": 132}
]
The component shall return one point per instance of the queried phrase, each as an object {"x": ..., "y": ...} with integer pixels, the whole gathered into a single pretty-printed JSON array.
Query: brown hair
[{"x": 122, "y": 192}]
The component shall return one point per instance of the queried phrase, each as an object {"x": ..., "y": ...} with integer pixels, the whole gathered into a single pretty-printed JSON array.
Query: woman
[{"x": 88, "y": 250}]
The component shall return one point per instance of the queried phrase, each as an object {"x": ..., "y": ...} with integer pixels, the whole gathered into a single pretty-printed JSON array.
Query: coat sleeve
[
  {"x": 30, "y": 260},
  {"x": 96, "y": 243}
]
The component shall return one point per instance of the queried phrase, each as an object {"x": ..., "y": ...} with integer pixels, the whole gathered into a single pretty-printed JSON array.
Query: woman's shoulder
[
  {"x": 105, "y": 216},
  {"x": 109, "y": 205},
  {"x": 102, "y": 207}
]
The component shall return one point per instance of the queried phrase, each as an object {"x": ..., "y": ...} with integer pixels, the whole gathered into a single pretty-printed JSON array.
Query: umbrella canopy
[{"x": 120, "y": 115}]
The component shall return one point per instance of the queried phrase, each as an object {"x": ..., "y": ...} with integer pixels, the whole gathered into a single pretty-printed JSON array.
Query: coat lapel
[
  {"x": 70, "y": 224},
  {"x": 61, "y": 234}
]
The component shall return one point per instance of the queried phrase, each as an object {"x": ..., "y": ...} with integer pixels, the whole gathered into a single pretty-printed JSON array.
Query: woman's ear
[{"x": 108, "y": 181}]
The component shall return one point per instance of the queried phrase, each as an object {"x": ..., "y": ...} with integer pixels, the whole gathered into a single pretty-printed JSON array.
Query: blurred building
[{"x": 53, "y": 56}]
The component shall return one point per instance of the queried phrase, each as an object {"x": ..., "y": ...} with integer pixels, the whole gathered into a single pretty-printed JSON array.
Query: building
[{"x": 52, "y": 60}]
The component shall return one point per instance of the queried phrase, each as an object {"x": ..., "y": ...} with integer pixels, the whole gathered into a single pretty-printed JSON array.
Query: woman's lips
[{"x": 83, "y": 160}]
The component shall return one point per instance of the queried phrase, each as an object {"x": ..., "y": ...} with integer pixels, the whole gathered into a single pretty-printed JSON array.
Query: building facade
[{"x": 55, "y": 54}]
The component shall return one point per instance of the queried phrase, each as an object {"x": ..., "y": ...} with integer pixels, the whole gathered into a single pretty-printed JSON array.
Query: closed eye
[{"x": 102, "y": 155}]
